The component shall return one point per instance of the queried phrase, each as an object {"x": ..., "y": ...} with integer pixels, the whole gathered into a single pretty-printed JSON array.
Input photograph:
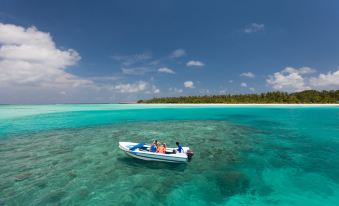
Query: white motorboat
[{"x": 141, "y": 151}]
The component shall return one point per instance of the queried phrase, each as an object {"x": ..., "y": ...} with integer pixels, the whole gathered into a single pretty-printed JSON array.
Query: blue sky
[{"x": 111, "y": 51}]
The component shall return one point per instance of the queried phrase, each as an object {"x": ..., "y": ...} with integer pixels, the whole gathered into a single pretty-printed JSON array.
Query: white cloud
[
  {"x": 166, "y": 70},
  {"x": 189, "y": 84},
  {"x": 155, "y": 90},
  {"x": 326, "y": 81},
  {"x": 252, "y": 89},
  {"x": 178, "y": 53},
  {"x": 131, "y": 88},
  {"x": 29, "y": 57},
  {"x": 290, "y": 79},
  {"x": 136, "y": 87},
  {"x": 33, "y": 70},
  {"x": 247, "y": 74},
  {"x": 136, "y": 70},
  {"x": 230, "y": 81},
  {"x": 63, "y": 92},
  {"x": 301, "y": 70},
  {"x": 254, "y": 27},
  {"x": 243, "y": 84},
  {"x": 194, "y": 63}
]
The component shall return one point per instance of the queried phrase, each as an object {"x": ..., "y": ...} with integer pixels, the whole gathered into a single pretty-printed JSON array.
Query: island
[{"x": 275, "y": 97}]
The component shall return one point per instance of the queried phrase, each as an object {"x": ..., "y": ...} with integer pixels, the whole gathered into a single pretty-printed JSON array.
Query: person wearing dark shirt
[
  {"x": 154, "y": 146},
  {"x": 180, "y": 150}
]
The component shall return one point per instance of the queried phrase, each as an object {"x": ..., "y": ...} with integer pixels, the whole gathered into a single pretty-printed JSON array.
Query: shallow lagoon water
[{"x": 244, "y": 155}]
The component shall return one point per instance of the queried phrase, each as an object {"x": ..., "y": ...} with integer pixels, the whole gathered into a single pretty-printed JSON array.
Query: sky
[{"x": 123, "y": 51}]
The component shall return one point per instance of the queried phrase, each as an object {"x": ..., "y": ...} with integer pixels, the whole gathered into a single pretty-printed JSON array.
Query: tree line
[{"x": 304, "y": 97}]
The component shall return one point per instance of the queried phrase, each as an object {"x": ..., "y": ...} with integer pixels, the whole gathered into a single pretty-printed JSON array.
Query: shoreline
[
  {"x": 226, "y": 104},
  {"x": 234, "y": 105},
  {"x": 173, "y": 104}
]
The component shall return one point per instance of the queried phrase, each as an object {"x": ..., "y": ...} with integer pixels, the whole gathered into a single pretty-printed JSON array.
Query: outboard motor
[{"x": 189, "y": 154}]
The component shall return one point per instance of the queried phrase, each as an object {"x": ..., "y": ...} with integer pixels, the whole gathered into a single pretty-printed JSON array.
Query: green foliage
[{"x": 304, "y": 97}]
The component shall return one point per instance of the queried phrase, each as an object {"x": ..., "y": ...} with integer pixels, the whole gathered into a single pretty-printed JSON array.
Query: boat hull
[{"x": 150, "y": 156}]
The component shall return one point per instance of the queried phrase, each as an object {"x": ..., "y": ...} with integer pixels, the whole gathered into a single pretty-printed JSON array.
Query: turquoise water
[{"x": 244, "y": 155}]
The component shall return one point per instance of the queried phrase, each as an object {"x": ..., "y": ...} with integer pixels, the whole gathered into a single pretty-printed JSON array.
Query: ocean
[{"x": 244, "y": 155}]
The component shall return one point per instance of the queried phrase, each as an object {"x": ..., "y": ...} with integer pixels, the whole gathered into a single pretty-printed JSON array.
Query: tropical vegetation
[{"x": 276, "y": 97}]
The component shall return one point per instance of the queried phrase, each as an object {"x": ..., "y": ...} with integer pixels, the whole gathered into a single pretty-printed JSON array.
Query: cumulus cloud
[
  {"x": 252, "y": 89},
  {"x": 194, "y": 63},
  {"x": 166, "y": 70},
  {"x": 290, "y": 79},
  {"x": 247, "y": 74},
  {"x": 29, "y": 57},
  {"x": 33, "y": 70},
  {"x": 243, "y": 84},
  {"x": 254, "y": 27},
  {"x": 189, "y": 84},
  {"x": 326, "y": 81},
  {"x": 178, "y": 53}
]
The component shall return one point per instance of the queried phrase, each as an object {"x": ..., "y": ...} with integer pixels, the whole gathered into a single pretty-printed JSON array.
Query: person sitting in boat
[
  {"x": 162, "y": 149},
  {"x": 179, "y": 147},
  {"x": 154, "y": 146}
]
